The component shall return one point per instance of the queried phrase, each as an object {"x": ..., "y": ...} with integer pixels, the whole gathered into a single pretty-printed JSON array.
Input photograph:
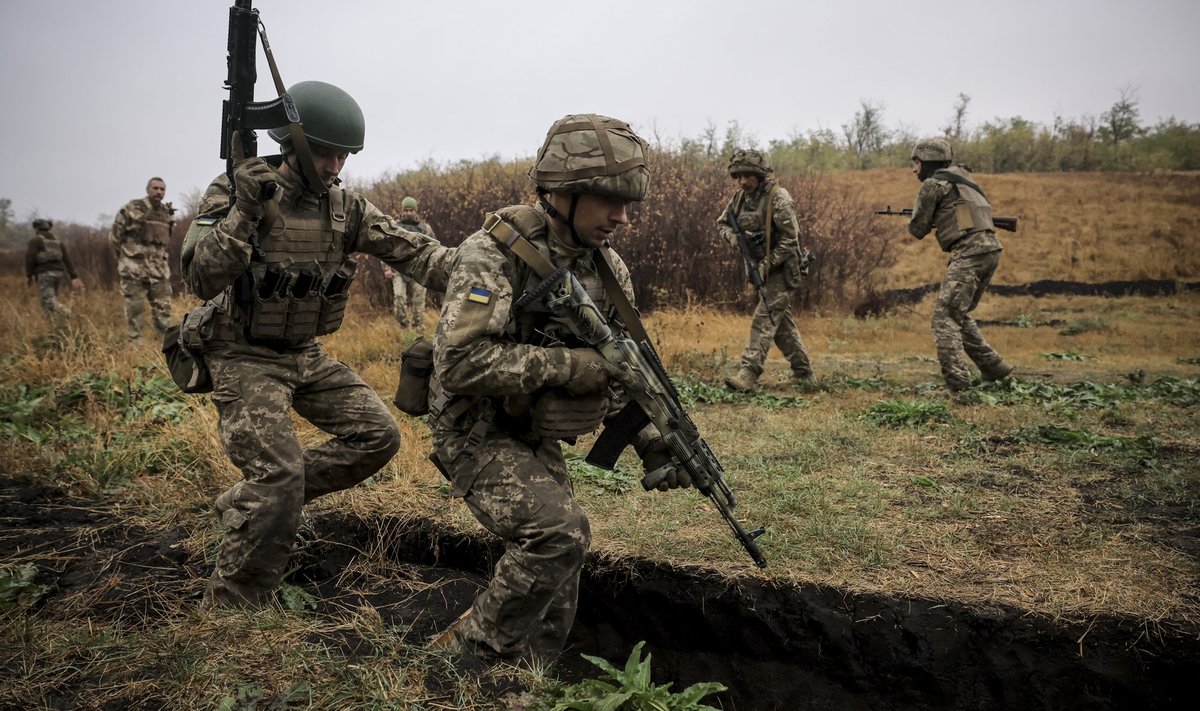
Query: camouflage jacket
[
  {"x": 750, "y": 211},
  {"x": 417, "y": 225},
  {"x": 939, "y": 202},
  {"x": 217, "y": 248},
  {"x": 482, "y": 346},
  {"x": 139, "y": 238},
  {"x": 47, "y": 253}
]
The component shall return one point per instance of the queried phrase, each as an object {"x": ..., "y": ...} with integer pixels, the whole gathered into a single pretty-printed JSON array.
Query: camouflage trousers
[
  {"x": 47, "y": 286},
  {"x": 954, "y": 331},
  {"x": 783, "y": 332},
  {"x": 136, "y": 292},
  {"x": 254, "y": 390},
  {"x": 523, "y": 494},
  {"x": 408, "y": 298}
]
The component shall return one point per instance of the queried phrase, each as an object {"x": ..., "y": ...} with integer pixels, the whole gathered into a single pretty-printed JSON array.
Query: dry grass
[{"x": 971, "y": 509}]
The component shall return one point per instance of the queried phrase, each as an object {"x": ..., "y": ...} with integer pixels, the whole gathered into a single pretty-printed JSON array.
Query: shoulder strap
[
  {"x": 507, "y": 235},
  {"x": 959, "y": 180},
  {"x": 770, "y": 218}
]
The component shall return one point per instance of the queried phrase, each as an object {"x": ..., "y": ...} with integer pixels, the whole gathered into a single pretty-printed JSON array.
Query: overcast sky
[{"x": 97, "y": 96}]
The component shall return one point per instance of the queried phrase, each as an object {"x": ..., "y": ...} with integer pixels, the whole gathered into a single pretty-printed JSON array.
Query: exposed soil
[
  {"x": 883, "y": 302},
  {"x": 775, "y": 645}
]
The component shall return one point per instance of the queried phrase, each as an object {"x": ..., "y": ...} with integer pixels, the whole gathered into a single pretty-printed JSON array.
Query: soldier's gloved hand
[
  {"x": 764, "y": 268},
  {"x": 250, "y": 177},
  {"x": 591, "y": 373},
  {"x": 661, "y": 472}
]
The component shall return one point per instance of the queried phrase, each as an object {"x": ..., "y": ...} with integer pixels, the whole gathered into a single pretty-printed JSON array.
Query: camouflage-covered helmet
[
  {"x": 590, "y": 153},
  {"x": 330, "y": 117},
  {"x": 42, "y": 224},
  {"x": 408, "y": 203},
  {"x": 748, "y": 160},
  {"x": 933, "y": 150}
]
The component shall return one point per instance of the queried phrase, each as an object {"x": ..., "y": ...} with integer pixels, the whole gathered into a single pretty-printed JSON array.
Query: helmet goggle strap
[{"x": 569, "y": 220}]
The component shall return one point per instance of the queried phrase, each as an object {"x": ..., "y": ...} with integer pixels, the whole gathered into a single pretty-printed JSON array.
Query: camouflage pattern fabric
[
  {"x": 408, "y": 303},
  {"x": 253, "y": 390},
  {"x": 974, "y": 258},
  {"x": 47, "y": 286},
  {"x": 256, "y": 385},
  {"x": 513, "y": 481},
  {"x": 954, "y": 331},
  {"x": 783, "y": 276},
  {"x": 139, "y": 236}
]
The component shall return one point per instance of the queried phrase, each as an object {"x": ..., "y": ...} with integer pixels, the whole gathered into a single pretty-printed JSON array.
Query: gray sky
[{"x": 100, "y": 95}]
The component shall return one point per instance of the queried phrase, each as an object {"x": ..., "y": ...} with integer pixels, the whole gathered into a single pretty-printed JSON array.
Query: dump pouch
[
  {"x": 416, "y": 367},
  {"x": 183, "y": 347}
]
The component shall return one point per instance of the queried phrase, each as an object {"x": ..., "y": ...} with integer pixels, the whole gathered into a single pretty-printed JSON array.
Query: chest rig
[
  {"x": 156, "y": 227},
  {"x": 756, "y": 218},
  {"x": 298, "y": 282},
  {"x": 51, "y": 254}
]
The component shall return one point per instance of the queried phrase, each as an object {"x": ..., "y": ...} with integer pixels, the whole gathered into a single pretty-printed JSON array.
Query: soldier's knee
[{"x": 379, "y": 442}]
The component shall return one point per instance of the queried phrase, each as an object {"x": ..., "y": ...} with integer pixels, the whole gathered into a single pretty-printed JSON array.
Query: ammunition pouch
[
  {"x": 184, "y": 346},
  {"x": 558, "y": 415},
  {"x": 416, "y": 367},
  {"x": 290, "y": 306}
]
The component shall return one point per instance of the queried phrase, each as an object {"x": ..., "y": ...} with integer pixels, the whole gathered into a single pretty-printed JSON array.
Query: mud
[
  {"x": 775, "y": 645},
  {"x": 884, "y": 302}
]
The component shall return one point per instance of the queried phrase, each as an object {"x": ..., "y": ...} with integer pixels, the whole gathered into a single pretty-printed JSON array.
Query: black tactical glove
[
  {"x": 251, "y": 177},
  {"x": 591, "y": 373},
  {"x": 660, "y": 470}
]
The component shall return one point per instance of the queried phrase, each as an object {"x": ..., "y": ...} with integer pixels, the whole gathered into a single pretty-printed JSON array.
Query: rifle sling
[
  {"x": 295, "y": 128},
  {"x": 959, "y": 180},
  {"x": 508, "y": 236}
]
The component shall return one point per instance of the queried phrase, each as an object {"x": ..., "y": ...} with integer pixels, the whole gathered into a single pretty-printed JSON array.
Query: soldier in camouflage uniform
[
  {"x": 278, "y": 270},
  {"x": 499, "y": 370},
  {"x": 955, "y": 208},
  {"x": 408, "y": 294},
  {"x": 46, "y": 261},
  {"x": 765, "y": 212},
  {"x": 139, "y": 238}
]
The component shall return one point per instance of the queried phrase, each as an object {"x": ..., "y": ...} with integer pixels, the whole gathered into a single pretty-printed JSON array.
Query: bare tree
[
  {"x": 1120, "y": 122},
  {"x": 865, "y": 135},
  {"x": 955, "y": 129}
]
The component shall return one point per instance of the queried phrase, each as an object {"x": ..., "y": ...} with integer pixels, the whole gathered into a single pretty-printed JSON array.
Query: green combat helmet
[
  {"x": 933, "y": 150},
  {"x": 331, "y": 118},
  {"x": 408, "y": 203},
  {"x": 749, "y": 161},
  {"x": 589, "y": 153}
]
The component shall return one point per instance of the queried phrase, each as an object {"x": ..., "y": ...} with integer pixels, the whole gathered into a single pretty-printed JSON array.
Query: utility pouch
[
  {"x": 557, "y": 415},
  {"x": 269, "y": 318},
  {"x": 334, "y": 296},
  {"x": 183, "y": 347},
  {"x": 416, "y": 367}
]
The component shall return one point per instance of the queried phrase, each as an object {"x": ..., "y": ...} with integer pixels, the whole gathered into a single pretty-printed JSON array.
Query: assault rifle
[
  {"x": 743, "y": 241},
  {"x": 656, "y": 401},
  {"x": 1001, "y": 222}
]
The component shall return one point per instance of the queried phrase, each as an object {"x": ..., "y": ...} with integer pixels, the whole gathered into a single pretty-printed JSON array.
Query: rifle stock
[{"x": 1002, "y": 222}]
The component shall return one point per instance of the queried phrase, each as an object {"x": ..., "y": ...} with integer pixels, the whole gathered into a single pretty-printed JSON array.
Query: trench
[{"x": 782, "y": 646}]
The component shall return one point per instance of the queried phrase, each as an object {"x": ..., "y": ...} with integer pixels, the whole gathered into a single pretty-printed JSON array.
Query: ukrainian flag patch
[
  {"x": 206, "y": 221},
  {"x": 479, "y": 295}
]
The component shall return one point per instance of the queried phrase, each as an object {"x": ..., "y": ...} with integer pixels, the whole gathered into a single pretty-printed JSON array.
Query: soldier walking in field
[
  {"x": 510, "y": 381},
  {"x": 46, "y": 262},
  {"x": 763, "y": 215},
  {"x": 276, "y": 265},
  {"x": 139, "y": 238},
  {"x": 408, "y": 304},
  {"x": 953, "y": 206}
]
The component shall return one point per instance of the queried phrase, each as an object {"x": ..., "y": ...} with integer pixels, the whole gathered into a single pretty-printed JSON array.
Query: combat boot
[
  {"x": 743, "y": 381},
  {"x": 449, "y": 640},
  {"x": 999, "y": 371}
]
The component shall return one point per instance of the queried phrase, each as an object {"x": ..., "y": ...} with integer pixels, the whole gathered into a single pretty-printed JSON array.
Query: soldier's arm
[
  {"x": 785, "y": 229},
  {"x": 470, "y": 356},
  {"x": 116, "y": 234},
  {"x": 412, "y": 254},
  {"x": 216, "y": 249},
  {"x": 921, "y": 222},
  {"x": 723, "y": 229}
]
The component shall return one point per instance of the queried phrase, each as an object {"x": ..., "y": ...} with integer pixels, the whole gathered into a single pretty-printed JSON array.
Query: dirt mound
[{"x": 886, "y": 301}]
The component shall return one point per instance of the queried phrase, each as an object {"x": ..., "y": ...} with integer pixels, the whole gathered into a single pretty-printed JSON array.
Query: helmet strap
[{"x": 569, "y": 220}]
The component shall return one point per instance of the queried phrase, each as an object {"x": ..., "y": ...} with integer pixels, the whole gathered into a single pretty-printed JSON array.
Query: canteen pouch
[
  {"x": 416, "y": 367},
  {"x": 183, "y": 348}
]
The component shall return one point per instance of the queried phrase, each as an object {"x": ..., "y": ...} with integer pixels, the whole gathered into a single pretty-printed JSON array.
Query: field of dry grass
[{"x": 1071, "y": 491}]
